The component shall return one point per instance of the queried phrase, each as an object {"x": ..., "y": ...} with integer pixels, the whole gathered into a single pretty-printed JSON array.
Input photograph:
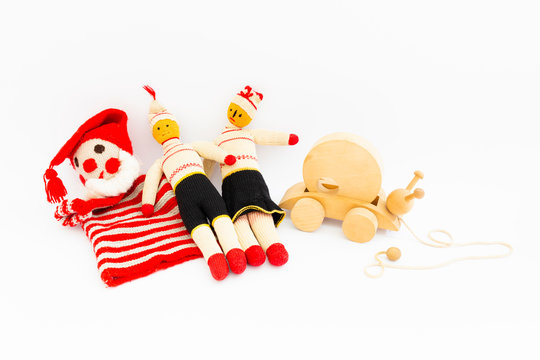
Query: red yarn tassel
[
  {"x": 54, "y": 187},
  {"x": 249, "y": 93},
  {"x": 150, "y": 91}
]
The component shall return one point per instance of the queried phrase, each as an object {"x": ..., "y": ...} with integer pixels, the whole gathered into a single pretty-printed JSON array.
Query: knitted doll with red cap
[
  {"x": 244, "y": 190},
  {"x": 200, "y": 204},
  {"x": 101, "y": 152},
  {"x": 127, "y": 244}
]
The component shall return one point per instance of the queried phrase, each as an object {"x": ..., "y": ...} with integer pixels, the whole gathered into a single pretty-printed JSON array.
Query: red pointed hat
[{"x": 109, "y": 125}]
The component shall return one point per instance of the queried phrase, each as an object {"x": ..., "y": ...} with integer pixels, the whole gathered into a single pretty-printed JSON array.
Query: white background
[{"x": 448, "y": 87}]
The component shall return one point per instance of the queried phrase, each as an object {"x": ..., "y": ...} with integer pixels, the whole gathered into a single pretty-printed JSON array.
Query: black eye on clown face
[
  {"x": 230, "y": 109},
  {"x": 99, "y": 149},
  {"x": 167, "y": 125},
  {"x": 158, "y": 128},
  {"x": 240, "y": 115},
  {"x": 76, "y": 161}
]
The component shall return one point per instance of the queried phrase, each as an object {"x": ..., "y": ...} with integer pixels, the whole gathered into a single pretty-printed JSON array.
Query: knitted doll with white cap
[
  {"x": 244, "y": 190},
  {"x": 200, "y": 204},
  {"x": 101, "y": 152}
]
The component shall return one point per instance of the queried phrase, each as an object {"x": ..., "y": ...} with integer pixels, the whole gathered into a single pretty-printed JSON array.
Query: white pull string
[{"x": 436, "y": 243}]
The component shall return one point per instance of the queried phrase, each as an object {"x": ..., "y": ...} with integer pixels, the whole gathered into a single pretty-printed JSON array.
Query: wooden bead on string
[{"x": 393, "y": 253}]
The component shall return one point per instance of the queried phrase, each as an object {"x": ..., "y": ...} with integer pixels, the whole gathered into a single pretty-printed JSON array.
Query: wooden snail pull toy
[{"x": 342, "y": 180}]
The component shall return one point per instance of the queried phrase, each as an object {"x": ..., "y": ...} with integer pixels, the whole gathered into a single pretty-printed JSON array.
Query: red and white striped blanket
[{"x": 129, "y": 246}]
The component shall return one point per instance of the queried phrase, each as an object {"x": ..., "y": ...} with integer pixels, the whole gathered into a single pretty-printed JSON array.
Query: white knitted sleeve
[
  {"x": 210, "y": 151},
  {"x": 151, "y": 183},
  {"x": 267, "y": 137}
]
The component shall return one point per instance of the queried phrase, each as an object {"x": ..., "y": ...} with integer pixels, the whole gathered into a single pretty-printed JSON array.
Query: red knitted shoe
[
  {"x": 218, "y": 266},
  {"x": 147, "y": 210},
  {"x": 255, "y": 255},
  {"x": 277, "y": 254},
  {"x": 237, "y": 260}
]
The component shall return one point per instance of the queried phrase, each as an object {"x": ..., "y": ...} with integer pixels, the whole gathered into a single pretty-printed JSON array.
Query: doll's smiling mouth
[
  {"x": 101, "y": 175},
  {"x": 232, "y": 119}
]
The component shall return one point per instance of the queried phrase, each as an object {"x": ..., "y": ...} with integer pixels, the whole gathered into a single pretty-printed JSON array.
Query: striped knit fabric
[{"x": 129, "y": 246}]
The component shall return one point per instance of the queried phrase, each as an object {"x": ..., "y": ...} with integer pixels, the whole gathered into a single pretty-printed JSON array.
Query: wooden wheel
[
  {"x": 307, "y": 214},
  {"x": 360, "y": 225}
]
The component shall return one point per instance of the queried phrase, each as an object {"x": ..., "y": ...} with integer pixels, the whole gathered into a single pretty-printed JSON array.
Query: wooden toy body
[
  {"x": 308, "y": 217},
  {"x": 349, "y": 162}
]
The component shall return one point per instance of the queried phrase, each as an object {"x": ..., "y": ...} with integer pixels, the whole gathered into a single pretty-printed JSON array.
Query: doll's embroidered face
[
  {"x": 238, "y": 116},
  {"x": 164, "y": 130},
  {"x": 96, "y": 159}
]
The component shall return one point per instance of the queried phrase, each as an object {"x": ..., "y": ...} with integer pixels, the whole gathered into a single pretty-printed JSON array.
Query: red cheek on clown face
[
  {"x": 89, "y": 165},
  {"x": 112, "y": 165}
]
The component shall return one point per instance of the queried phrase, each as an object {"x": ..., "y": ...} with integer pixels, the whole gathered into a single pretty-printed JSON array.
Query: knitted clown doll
[
  {"x": 127, "y": 245},
  {"x": 100, "y": 151},
  {"x": 200, "y": 204},
  {"x": 244, "y": 190}
]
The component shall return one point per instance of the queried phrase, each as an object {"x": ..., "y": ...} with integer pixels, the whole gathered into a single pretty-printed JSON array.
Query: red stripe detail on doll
[
  {"x": 236, "y": 138},
  {"x": 183, "y": 167},
  {"x": 136, "y": 256},
  {"x": 230, "y": 130},
  {"x": 146, "y": 226},
  {"x": 243, "y": 157},
  {"x": 176, "y": 152},
  {"x": 135, "y": 218},
  {"x": 173, "y": 147},
  {"x": 184, "y": 235},
  {"x": 160, "y": 113},
  {"x": 181, "y": 238}
]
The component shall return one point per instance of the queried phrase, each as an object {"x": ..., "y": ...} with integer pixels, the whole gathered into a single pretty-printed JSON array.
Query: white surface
[{"x": 447, "y": 87}]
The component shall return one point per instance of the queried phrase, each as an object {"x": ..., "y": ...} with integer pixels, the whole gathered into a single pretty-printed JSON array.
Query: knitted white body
[
  {"x": 240, "y": 142},
  {"x": 256, "y": 228},
  {"x": 179, "y": 161}
]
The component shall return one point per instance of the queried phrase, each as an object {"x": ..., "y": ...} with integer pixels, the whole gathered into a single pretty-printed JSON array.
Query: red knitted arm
[{"x": 83, "y": 207}]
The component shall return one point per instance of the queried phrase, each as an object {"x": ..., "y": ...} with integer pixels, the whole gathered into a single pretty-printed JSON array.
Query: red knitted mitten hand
[
  {"x": 230, "y": 160},
  {"x": 69, "y": 216},
  {"x": 147, "y": 210},
  {"x": 80, "y": 207},
  {"x": 293, "y": 139}
]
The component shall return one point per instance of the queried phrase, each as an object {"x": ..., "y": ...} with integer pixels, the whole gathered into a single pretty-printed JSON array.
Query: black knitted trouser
[{"x": 198, "y": 201}]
